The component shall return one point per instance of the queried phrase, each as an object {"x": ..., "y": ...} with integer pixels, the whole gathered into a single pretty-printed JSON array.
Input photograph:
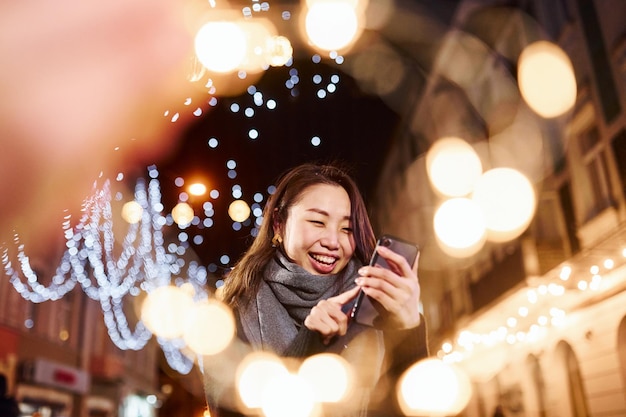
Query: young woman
[{"x": 293, "y": 288}]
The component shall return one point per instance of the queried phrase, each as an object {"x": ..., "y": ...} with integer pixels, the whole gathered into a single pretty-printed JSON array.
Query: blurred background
[{"x": 142, "y": 139}]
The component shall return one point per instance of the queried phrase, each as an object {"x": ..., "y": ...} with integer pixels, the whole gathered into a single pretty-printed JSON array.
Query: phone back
[{"x": 364, "y": 311}]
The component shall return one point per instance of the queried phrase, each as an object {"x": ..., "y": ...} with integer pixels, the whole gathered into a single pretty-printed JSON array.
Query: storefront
[
  {"x": 49, "y": 388},
  {"x": 8, "y": 356}
]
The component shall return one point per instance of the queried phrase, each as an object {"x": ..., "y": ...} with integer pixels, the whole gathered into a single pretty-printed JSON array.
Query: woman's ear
[
  {"x": 276, "y": 223},
  {"x": 277, "y": 239}
]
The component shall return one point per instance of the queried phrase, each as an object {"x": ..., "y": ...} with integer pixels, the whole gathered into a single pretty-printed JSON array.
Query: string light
[
  {"x": 90, "y": 262},
  {"x": 514, "y": 330}
]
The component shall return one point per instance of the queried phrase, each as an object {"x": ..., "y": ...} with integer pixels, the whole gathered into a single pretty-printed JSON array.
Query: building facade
[
  {"x": 539, "y": 321},
  {"x": 60, "y": 362}
]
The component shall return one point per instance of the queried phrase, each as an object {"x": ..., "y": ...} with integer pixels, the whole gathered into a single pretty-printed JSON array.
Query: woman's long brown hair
[{"x": 243, "y": 281}]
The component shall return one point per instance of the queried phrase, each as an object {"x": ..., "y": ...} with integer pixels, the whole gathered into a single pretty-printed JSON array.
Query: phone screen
[{"x": 364, "y": 310}]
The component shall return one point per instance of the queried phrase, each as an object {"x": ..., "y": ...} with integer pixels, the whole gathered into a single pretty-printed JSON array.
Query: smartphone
[{"x": 364, "y": 310}]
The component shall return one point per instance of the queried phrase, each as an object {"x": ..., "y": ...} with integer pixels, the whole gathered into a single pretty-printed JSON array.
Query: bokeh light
[
  {"x": 209, "y": 327},
  {"x": 453, "y": 167},
  {"x": 288, "y": 395},
  {"x": 546, "y": 79},
  {"x": 132, "y": 212},
  {"x": 279, "y": 50},
  {"x": 508, "y": 201},
  {"x": 330, "y": 377},
  {"x": 220, "y": 46},
  {"x": 182, "y": 213},
  {"x": 433, "y": 388},
  {"x": 258, "y": 34},
  {"x": 253, "y": 375},
  {"x": 164, "y": 311},
  {"x": 197, "y": 188},
  {"x": 460, "y": 227},
  {"x": 239, "y": 210},
  {"x": 331, "y": 25}
]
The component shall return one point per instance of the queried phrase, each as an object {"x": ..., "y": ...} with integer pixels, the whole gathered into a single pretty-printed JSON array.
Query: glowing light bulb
[
  {"x": 220, "y": 46},
  {"x": 239, "y": 210},
  {"x": 197, "y": 188},
  {"x": 507, "y": 199},
  {"x": 453, "y": 167},
  {"x": 460, "y": 227},
  {"x": 331, "y": 25},
  {"x": 164, "y": 311},
  {"x": 329, "y": 375},
  {"x": 253, "y": 375},
  {"x": 209, "y": 327},
  {"x": 433, "y": 388},
  {"x": 565, "y": 273},
  {"x": 182, "y": 214},
  {"x": 280, "y": 50},
  {"x": 132, "y": 212},
  {"x": 546, "y": 79},
  {"x": 288, "y": 395}
]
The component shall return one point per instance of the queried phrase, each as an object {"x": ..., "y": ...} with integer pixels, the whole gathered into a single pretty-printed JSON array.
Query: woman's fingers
[
  {"x": 396, "y": 289},
  {"x": 327, "y": 317}
]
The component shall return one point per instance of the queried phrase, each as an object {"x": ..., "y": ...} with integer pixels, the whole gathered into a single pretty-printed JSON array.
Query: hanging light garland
[
  {"x": 89, "y": 261},
  {"x": 537, "y": 311}
]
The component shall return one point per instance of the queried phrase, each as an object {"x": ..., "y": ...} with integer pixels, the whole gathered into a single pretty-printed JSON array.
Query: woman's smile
[{"x": 317, "y": 234}]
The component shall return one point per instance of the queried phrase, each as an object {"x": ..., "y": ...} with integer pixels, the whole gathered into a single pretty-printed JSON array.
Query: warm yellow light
[
  {"x": 331, "y": 25},
  {"x": 288, "y": 395},
  {"x": 507, "y": 199},
  {"x": 453, "y": 167},
  {"x": 64, "y": 335},
  {"x": 565, "y": 273},
  {"x": 239, "y": 210},
  {"x": 279, "y": 50},
  {"x": 197, "y": 188},
  {"x": 546, "y": 79},
  {"x": 258, "y": 33},
  {"x": 459, "y": 227},
  {"x": 209, "y": 327},
  {"x": 329, "y": 375},
  {"x": 182, "y": 214},
  {"x": 132, "y": 212},
  {"x": 433, "y": 388},
  {"x": 253, "y": 375},
  {"x": 220, "y": 46},
  {"x": 164, "y": 311}
]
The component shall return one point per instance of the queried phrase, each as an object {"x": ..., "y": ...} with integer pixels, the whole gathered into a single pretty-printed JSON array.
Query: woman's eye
[
  {"x": 318, "y": 222},
  {"x": 347, "y": 229}
]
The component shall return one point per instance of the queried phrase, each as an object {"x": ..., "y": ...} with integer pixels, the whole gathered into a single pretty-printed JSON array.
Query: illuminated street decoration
[{"x": 90, "y": 262}]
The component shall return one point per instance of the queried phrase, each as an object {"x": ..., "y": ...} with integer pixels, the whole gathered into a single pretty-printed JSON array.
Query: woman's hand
[
  {"x": 327, "y": 318},
  {"x": 397, "y": 290}
]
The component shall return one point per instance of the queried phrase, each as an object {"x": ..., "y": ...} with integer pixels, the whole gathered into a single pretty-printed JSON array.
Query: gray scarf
[
  {"x": 273, "y": 318},
  {"x": 285, "y": 297}
]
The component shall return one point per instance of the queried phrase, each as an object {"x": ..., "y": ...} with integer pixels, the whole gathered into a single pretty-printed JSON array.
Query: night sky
[{"x": 354, "y": 128}]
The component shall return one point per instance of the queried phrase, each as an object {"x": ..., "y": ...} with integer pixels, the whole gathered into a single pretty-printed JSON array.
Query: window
[
  {"x": 538, "y": 384},
  {"x": 618, "y": 145},
  {"x": 597, "y": 182},
  {"x": 574, "y": 387},
  {"x": 555, "y": 14}
]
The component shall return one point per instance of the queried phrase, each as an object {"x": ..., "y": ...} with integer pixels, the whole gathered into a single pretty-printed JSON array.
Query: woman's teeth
[{"x": 328, "y": 260}]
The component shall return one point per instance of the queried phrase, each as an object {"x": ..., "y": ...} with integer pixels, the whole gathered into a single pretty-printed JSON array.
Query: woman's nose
[{"x": 330, "y": 239}]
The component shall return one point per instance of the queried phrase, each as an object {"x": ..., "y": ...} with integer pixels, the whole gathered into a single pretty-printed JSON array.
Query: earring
[{"x": 276, "y": 240}]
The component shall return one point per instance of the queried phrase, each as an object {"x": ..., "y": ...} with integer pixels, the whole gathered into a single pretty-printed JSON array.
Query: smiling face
[{"x": 318, "y": 234}]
